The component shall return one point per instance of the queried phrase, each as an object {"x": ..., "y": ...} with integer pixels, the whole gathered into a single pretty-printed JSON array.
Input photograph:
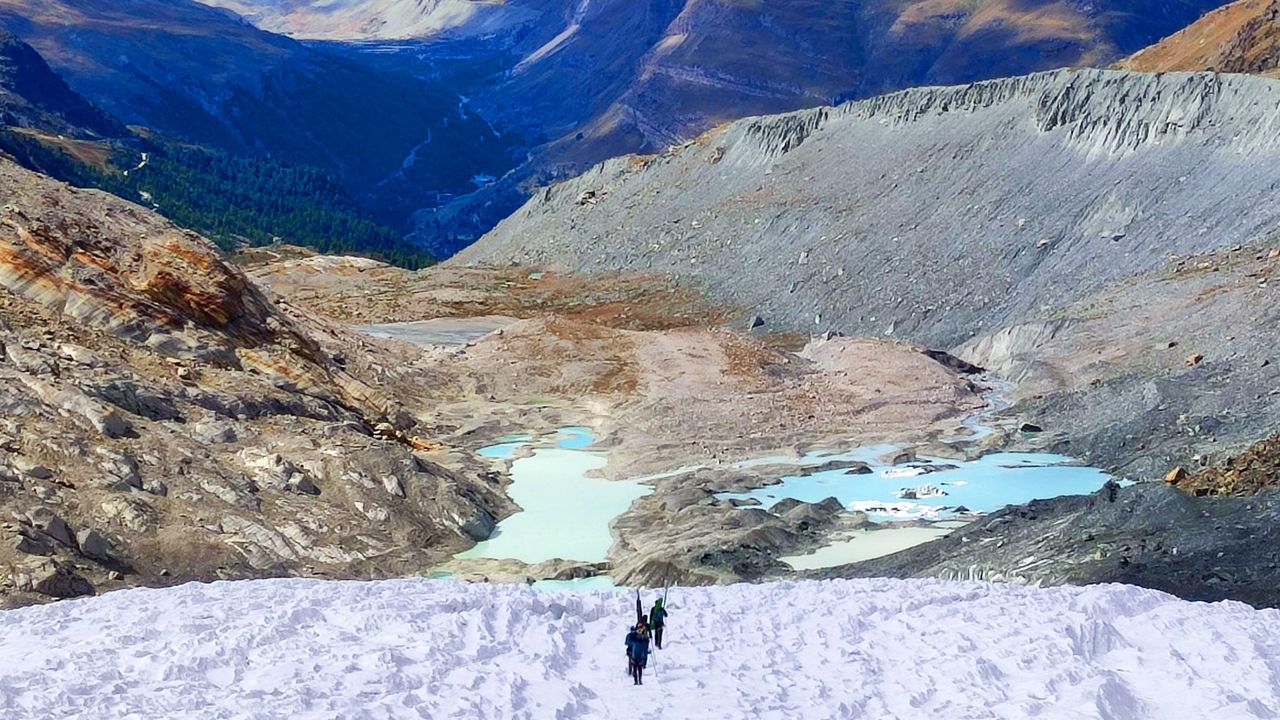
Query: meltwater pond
[
  {"x": 983, "y": 485},
  {"x": 564, "y": 513}
]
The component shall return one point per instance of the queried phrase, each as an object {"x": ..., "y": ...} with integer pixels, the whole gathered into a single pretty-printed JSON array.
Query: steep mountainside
[
  {"x": 33, "y": 96},
  {"x": 203, "y": 75},
  {"x": 1241, "y": 37},
  {"x": 162, "y": 420},
  {"x": 47, "y": 127},
  {"x": 1103, "y": 239},
  {"x": 1174, "y": 367},
  {"x": 932, "y": 214},
  {"x": 585, "y": 80}
]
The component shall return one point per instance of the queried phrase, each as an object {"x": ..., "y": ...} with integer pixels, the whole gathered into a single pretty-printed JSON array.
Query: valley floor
[{"x": 835, "y": 649}]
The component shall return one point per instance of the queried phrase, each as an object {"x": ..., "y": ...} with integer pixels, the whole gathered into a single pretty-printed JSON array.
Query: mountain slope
[
  {"x": 1204, "y": 549},
  {"x": 1241, "y": 37},
  {"x": 931, "y": 214},
  {"x": 203, "y": 75},
  {"x": 33, "y": 96},
  {"x": 852, "y": 649},
  {"x": 47, "y": 127},
  {"x": 585, "y": 80},
  {"x": 163, "y": 420}
]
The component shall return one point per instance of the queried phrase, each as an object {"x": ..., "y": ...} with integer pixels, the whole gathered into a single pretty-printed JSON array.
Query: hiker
[
  {"x": 638, "y": 652},
  {"x": 658, "y": 620}
]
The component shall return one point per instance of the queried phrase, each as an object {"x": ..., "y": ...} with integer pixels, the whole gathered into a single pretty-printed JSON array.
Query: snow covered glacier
[{"x": 438, "y": 649}]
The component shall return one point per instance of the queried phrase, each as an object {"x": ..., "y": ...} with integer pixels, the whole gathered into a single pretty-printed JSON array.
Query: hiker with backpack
[
  {"x": 658, "y": 620},
  {"x": 638, "y": 652}
]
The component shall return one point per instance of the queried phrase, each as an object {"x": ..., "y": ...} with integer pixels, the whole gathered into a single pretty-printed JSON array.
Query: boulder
[
  {"x": 479, "y": 526},
  {"x": 121, "y": 470},
  {"x": 302, "y": 484},
  {"x": 852, "y": 467},
  {"x": 784, "y": 506},
  {"x": 51, "y": 524},
  {"x": 213, "y": 432},
  {"x": 156, "y": 487},
  {"x": 1175, "y": 476},
  {"x": 270, "y": 470},
  {"x": 60, "y": 580},
  {"x": 32, "y": 469},
  {"x": 94, "y": 544},
  {"x": 903, "y": 458},
  {"x": 683, "y": 498},
  {"x": 30, "y": 361},
  {"x": 101, "y": 418},
  {"x": 33, "y": 545},
  {"x": 393, "y": 485},
  {"x": 127, "y": 513},
  {"x": 135, "y": 400},
  {"x": 81, "y": 356}
]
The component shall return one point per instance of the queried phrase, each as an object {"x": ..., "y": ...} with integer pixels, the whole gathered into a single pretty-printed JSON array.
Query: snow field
[{"x": 873, "y": 649}]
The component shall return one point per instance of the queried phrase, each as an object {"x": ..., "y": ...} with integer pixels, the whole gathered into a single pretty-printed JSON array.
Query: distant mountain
[
  {"x": 381, "y": 19},
  {"x": 1241, "y": 37},
  {"x": 33, "y": 96},
  {"x": 458, "y": 109},
  {"x": 203, "y": 75},
  {"x": 584, "y": 80},
  {"x": 47, "y": 127}
]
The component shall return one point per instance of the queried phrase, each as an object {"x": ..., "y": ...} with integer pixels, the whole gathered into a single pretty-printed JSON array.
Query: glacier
[{"x": 415, "y": 648}]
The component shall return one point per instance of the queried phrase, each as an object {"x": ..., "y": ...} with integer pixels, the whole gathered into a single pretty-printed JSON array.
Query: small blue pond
[
  {"x": 565, "y": 510},
  {"x": 983, "y": 485}
]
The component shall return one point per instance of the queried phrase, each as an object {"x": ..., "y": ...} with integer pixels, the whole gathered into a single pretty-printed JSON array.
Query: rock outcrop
[
  {"x": 162, "y": 420},
  {"x": 1252, "y": 471},
  {"x": 1149, "y": 534},
  {"x": 682, "y": 534}
]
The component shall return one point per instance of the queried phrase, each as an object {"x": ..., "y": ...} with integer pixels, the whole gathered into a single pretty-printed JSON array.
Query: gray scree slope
[{"x": 934, "y": 213}]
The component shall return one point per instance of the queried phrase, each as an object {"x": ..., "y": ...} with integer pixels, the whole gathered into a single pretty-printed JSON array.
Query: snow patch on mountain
[
  {"x": 835, "y": 649},
  {"x": 379, "y": 19}
]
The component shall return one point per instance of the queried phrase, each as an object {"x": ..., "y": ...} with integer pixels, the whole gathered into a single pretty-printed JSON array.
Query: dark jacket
[{"x": 637, "y": 647}]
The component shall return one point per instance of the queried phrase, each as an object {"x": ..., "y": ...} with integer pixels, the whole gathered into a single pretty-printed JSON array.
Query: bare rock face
[
  {"x": 683, "y": 534},
  {"x": 164, "y": 288},
  {"x": 930, "y": 214},
  {"x": 1148, "y": 534},
  {"x": 162, "y": 420}
]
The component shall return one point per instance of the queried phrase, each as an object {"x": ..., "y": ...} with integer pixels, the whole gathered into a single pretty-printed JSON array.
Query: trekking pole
[{"x": 666, "y": 590}]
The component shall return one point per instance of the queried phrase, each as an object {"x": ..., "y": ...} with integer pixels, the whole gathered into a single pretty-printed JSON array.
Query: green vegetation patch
[{"x": 231, "y": 200}]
